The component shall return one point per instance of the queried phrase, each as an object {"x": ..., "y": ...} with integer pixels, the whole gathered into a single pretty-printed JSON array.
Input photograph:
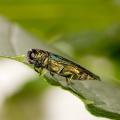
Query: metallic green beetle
[{"x": 56, "y": 64}]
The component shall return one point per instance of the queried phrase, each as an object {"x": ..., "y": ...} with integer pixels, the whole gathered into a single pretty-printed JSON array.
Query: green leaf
[{"x": 101, "y": 98}]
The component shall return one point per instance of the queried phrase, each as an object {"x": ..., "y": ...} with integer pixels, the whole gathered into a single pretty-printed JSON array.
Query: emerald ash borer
[{"x": 56, "y": 64}]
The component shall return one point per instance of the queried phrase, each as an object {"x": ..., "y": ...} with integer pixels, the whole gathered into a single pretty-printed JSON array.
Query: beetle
[{"x": 57, "y": 64}]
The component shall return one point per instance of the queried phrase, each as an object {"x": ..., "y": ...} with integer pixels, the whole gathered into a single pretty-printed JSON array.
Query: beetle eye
[{"x": 32, "y": 56}]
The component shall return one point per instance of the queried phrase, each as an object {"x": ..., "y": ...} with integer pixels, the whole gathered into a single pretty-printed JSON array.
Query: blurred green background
[{"x": 87, "y": 31}]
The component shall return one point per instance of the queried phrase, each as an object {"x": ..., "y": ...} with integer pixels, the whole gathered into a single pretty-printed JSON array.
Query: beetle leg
[
  {"x": 38, "y": 70},
  {"x": 52, "y": 74},
  {"x": 69, "y": 80}
]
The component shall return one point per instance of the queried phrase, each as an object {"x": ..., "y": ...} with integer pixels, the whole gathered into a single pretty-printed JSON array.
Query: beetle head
[{"x": 35, "y": 56}]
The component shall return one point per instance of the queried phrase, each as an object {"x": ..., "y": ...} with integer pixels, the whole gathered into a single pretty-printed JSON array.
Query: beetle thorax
[{"x": 43, "y": 60}]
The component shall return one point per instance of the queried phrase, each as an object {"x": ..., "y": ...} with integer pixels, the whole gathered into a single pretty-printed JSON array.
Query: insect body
[{"x": 56, "y": 64}]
